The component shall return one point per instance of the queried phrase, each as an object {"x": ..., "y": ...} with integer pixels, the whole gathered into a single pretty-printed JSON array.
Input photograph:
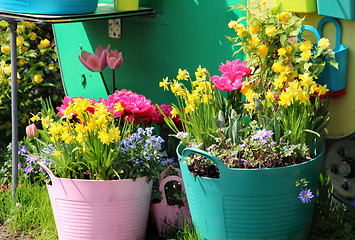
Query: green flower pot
[{"x": 250, "y": 203}]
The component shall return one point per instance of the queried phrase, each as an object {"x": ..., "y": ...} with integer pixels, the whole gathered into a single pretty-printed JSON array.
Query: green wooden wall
[{"x": 183, "y": 34}]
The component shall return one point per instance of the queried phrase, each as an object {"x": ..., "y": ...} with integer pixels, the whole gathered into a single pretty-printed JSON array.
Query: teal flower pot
[{"x": 250, "y": 203}]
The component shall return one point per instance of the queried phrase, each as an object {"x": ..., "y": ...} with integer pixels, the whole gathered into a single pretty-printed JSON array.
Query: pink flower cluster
[
  {"x": 135, "y": 106},
  {"x": 158, "y": 118},
  {"x": 232, "y": 75}
]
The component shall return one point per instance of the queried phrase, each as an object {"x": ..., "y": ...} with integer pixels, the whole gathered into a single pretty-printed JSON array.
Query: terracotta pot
[
  {"x": 99, "y": 209},
  {"x": 164, "y": 214}
]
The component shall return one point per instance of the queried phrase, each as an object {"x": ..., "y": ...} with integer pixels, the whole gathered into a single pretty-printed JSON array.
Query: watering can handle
[
  {"x": 45, "y": 168},
  {"x": 337, "y": 28},
  {"x": 307, "y": 28},
  {"x": 220, "y": 165}
]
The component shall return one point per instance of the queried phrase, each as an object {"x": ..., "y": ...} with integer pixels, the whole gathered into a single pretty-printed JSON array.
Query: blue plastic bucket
[
  {"x": 49, "y": 7},
  {"x": 344, "y": 9},
  {"x": 250, "y": 203}
]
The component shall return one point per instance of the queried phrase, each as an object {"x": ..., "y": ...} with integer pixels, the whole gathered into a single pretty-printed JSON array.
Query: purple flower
[
  {"x": 164, "y": 163},
  {"x": 262, "y": 134},
  {"x": 305, "y": 196},
  {"x": 19, "y": 165},
  {"x": 29, "y": 169},
  {"x": 182, "y": 135},
  {"x": 272, "y": 143},
  {"x": 31, "y": 159},
  {"x": 210, "y": 147},
  {"x": 23, "y": 150},
  {"x": 243, "y": 145},
  {"x": 246, "y": 162},
  {"x": 352, "y": 203}
]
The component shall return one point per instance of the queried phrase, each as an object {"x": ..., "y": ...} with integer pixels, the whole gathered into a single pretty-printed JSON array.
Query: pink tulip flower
[
  {"x": 32, "y": 131},
  {"x": 95, "y": 62},
  {"x": 114, "y": 59},
  {"x": 232, "y": 75}
]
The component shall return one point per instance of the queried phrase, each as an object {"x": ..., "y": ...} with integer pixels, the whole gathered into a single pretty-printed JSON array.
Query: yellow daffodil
[
  {"x": 263, "y": 50},
  {"x": 7, "y": 70},
  {"x": 282, "y": 52},
  {"x": 233, "y": 24},
  {"x": 284, "y": 16},
  {"x": 182, "y": 75},
  {"x": 254, "y": 42},
  {"x": 254, "y": 29},
  {"x": 306, "y": 54},
  {"x": 21, "y": 61},
  {"x": 306, "y": 80},
  {"x": 32, "y": 36},
  {"x": 323, "y": 43},
  {"x": 5, "y": 49},
  {"x": 44, "y": 44},
  {"x": 164, "y": 84},
  {"x": 270, "y": 30},
  {"x": 38, "y": 79},
  {"x": 200, "y": 73},
  {"x": 19, "y": 40},
  {"x": 306, "y": 46},
  {"x": 277, "y": 67}
]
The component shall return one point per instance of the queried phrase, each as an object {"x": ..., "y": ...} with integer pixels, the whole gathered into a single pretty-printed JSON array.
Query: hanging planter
[
  {"x": 49, "y": 7},
  {"x": 344, "y": 9},
  {"x": 99, "y": 209},
  {"x": 334, "y": 78},
  {"x": 302, "y": 6},
  {"x": 250, "y": 203}
]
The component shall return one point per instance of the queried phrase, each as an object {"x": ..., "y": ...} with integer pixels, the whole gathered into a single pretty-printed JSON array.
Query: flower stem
[
  {"x": 103, "y": 80},
  {"x": 114, "y": 80}
]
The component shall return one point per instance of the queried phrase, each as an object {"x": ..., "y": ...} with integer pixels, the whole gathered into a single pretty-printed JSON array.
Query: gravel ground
[{"x": 4, "y": 234}]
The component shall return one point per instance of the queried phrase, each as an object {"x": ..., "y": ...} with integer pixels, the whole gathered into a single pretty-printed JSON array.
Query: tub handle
[
  {"x": 47, "y": 170},
  {"x": 220, "y": 165}
]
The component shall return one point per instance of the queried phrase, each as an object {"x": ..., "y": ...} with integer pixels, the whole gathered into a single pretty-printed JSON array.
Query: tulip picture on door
[{"x": 98, "y": 61}]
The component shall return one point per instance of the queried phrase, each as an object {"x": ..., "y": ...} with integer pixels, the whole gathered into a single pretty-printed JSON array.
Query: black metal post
[{"x": 14, "y": 107}]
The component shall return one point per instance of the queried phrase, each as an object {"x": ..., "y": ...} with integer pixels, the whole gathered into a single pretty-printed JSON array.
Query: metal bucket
[
  {"x": 250, "y": 203},
  {"x": 99, "y": 209}
]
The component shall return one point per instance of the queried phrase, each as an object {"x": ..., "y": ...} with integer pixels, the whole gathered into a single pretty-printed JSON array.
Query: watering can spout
[{"x": 46, "y": 169}]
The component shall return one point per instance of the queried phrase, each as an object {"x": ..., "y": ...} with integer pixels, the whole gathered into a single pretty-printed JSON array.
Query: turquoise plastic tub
[
  {"x": 250, "y": 203},
  {"x": 49, "y": 7},
  {"x": 344, "y": 9}
]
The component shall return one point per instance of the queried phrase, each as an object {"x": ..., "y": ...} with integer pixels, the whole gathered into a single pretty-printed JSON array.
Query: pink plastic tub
[{"x": 99, "y": 210}]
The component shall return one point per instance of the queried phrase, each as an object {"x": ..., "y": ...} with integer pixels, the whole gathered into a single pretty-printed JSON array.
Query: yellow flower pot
[
  {"x": 302, "y": 6},
  {"x": 127, "y": 5}
]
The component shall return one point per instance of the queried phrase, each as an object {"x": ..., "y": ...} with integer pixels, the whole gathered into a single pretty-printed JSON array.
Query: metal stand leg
[{"x": 14, "y": 105}]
